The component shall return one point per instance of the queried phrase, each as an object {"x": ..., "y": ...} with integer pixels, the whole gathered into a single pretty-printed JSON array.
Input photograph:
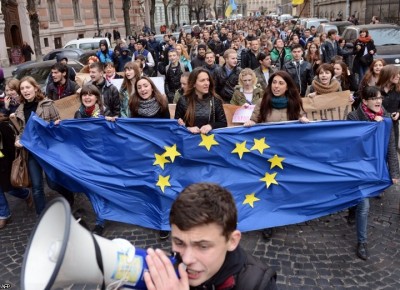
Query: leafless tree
[
  {"x": 34, "y": 22},
  {"x": 195, "y": 7},
  {"x": 126, "y": 6}
]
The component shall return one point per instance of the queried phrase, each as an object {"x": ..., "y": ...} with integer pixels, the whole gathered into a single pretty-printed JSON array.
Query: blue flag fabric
[{"x": 279, "y": 174}]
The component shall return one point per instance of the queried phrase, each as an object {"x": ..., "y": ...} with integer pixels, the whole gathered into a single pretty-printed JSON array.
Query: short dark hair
[
  {"x": 262, "y": 55},
  {"x": 297, "y": 45},
  {"x": 331, "y": 32},
  {"x": 62, "y": 68},
  {"x": 369, "y": 92},
  {"x": 204, "y": 203}
]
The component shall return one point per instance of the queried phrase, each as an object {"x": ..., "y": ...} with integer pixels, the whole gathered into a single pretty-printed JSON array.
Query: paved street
[{"x": 318, "y": 254}]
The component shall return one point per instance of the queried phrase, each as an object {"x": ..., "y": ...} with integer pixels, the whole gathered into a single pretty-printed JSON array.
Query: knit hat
[{"x": 202, "y": 45}]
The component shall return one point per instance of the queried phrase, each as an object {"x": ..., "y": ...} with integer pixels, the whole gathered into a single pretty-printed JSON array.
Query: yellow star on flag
[
  {"x": 276, "y": 161},
  {"x": 160, "y": 160},
  {"x": 240, "y": 149},
  {"x": 163, "y": 181},
  {"x": 260, "y": 145},
  {"x": 208, "y": 141},
  {"x": 269, "y": 179},
  {"x": 250, "y": 199},
  {"x": 171, "y": 152}
]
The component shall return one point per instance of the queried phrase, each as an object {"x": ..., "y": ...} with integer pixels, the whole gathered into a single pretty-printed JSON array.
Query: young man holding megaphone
[
  {"x": 203, "y": 230},
  {"x": 203, "y": 222}
]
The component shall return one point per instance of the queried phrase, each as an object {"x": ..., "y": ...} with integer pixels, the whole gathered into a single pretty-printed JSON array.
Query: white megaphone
[{"x": 61, "y": 252}]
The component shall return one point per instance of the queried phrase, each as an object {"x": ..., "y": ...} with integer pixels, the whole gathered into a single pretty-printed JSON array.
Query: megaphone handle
[{"x": 99, "y": 260}]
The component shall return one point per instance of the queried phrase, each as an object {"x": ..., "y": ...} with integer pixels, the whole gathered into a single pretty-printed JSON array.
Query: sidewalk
[{"x": 8, "y": 70}]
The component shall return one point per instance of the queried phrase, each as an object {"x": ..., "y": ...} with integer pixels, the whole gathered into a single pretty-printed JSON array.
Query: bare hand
[
  {"x": 57, "y": 122},
  {"x": 312, "y": 95},
  {"x": 161, "y": 274},
  {"x": 371, "y": 52},
  {"x": 245, "y": 105},
  {"x": 111, "y": 119},
  {"x": 18, "y": 144},
  {"x": 205, "y": 129},
  {"x": 7, "y": 102},
  {"x": 249, "y": 123},
  {"x": 378, "y": 118},
  {"x": 395, "y": 180},
  {"x": 181, "y": 122},
  {"x": 194, "y": 130},
  {"x": 304, "y": 120},
  {"x": 395, "y": 116}
]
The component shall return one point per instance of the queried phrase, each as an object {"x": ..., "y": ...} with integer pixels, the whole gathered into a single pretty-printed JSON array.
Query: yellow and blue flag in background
[
  {"x": 279, "y": 174},
  {"x": 231, "y": 7}
]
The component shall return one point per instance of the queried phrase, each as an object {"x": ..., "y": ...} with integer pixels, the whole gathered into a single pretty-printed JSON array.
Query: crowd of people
[{"x": 247, "y": 62}]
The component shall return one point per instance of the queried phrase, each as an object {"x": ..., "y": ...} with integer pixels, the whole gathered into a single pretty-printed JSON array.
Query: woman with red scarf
[
  {"x": 364, "y": 50},
  {"x": 371, "y": 110}
]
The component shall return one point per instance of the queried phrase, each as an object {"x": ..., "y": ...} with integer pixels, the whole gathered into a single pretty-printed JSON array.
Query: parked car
[
  {"x": 339, "y": 26},
  {"x": 385, "y": 36},
  {"x": 314, "y": 22},
  {"x": 70, "y": 53},
  {"x": 86, "y": 43},
  {"x": 41, "y": 70}
]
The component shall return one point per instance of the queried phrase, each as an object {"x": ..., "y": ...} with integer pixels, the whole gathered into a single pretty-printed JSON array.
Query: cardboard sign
[
  {"x": 242, "y": 115},
  {"x": 333, "y": 106}
]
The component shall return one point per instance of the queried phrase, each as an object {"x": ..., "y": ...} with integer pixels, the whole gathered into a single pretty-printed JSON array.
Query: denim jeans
[
  {"x": 36, "y": 174},
  {"x": 22, "y": 193},
  {"x": 362, "y": 220},
  {"x": 361, "y": 72}
]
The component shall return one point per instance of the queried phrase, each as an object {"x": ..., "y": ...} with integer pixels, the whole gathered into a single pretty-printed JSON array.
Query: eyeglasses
[{"x": 375, "y": 98}]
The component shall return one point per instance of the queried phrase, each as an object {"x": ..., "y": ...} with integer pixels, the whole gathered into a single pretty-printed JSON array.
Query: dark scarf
[
  {"x": 92, "y": 112},
  {"x": 225, "y": 277},
  {"x": 279, "y": 102},
  {"x": 148, "y": 108},
  {"x": 365, "y": 39},
  {"x": 371, "y": 114},
  {"x": 29, "y": 107}
]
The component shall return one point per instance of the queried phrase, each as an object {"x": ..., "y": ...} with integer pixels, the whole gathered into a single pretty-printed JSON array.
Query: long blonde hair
[{"x": 184, "y": 51}]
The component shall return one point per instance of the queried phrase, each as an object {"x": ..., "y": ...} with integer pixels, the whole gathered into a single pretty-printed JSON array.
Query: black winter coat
[
  {"x": 209, "y": 110},
  {"x": 302, "y": 75},
  {"x": 110, "y": 96},
  {"x": 249, "y": 59},
  {"x": 52, "y": 90},
  {"x": 224, "y": 84},
  {"x": 359, "y": 53}
]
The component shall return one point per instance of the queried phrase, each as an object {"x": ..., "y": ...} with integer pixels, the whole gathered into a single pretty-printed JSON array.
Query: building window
[
  {"x": 52, "y": 10},
  {"x": 46, "y": 42},
  {"x": 111, "y": 5},
  {"x": 77, "y": 10}
]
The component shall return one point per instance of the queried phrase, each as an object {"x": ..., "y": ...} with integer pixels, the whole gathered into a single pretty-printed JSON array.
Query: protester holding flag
[
  {"x": 92, "y": 107},
  {"x": 33, "y": 100},
  {"x": 281, "y": 102},
  {"x": 200, "y": 108},
  {"x": 324, "y": 82},
  {"x": 371, "y": 110}
]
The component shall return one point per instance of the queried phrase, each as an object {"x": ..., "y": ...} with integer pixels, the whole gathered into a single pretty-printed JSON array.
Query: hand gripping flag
[{"x": 279, "y": 174}]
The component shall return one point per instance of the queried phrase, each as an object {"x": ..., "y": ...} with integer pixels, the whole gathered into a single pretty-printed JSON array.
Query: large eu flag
[{"x": 279, "y": 174}]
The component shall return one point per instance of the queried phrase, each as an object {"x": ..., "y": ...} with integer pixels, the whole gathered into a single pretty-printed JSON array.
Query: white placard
[{"x": 243, "y": 114}]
